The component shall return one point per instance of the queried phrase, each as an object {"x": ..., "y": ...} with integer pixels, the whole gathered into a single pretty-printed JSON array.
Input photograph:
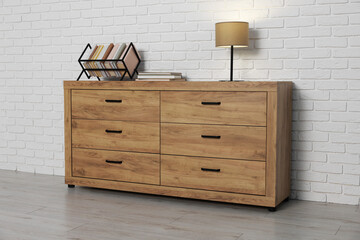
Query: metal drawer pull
[
  {"x": 209, "y": 136},
  {"x": 113, "y": 101},
  {"x": 116, "y": 162},
  {"x": 211, "y": 103},
  {"x": 113, "y": 131},
  {"x": 210, "y": 170}
]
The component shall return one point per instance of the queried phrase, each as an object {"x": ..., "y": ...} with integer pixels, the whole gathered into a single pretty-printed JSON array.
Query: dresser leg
[
  {"x": 71, "y": 186},
  {"x": 272, "y": 209},
  {"x": 286, "y": 199}
]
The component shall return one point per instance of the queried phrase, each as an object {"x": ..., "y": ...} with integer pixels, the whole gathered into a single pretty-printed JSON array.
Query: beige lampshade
[{"x": 229, "y": 34}]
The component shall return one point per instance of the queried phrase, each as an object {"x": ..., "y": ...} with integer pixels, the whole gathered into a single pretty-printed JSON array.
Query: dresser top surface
[{"x": 178, "y": 86}]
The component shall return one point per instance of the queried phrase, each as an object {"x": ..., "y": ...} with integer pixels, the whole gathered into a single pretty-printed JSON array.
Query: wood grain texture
[
  {"x": 238, "y": 142},
  {"x": 135, "y": 136},
  {"x": 230, "y": 108},
  {"x": 271, "y": 146},
  {"x": 174, "y": 86},
  {"x": 115, "y": 165},
  {"x": 265, "y": 143},
  {"x": 213, "y": 174},
  {"x": 116, "y": 105},
  {"x": 256, "y": 200},
  {"x": 283, "y": 158},
  {"x": 67, "y": 132}
]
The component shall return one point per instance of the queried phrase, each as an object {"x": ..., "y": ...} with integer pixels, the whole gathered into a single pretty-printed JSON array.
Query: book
[
  {"x": 106, "y": 54},
  {"x": 95, "y": 57},
  {"x": 111, "y": 57},
  {"x": 116, "y": 57},
  {"x": 160, "y": 76},
  {"x": 161, "y": 79},
  {"x": 87, "y": 64},
  {"x": 159, "y": 73},
  {"x": 100, "y": 57}
]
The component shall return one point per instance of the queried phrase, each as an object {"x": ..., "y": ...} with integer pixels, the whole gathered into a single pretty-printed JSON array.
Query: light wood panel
[
  {"x": 116, "y": 135},
  {"x": 176, "y": 86},
  {"x": 238, "y": 142},
  {"x": 67, "y": 131},
  {"x": 116, "y": 105},
  {"x": 284, "y": 122},
  {"x": 256, "y": 200},
  {"x": 263, "y": 110},
  {"x": 230, "y": 108},
  {"x": 115, "y": 165},
  {"x": 213, "y": 174}
]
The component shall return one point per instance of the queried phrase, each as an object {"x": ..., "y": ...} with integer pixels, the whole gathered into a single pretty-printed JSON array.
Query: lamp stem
[{"x": 231, "y": 62}]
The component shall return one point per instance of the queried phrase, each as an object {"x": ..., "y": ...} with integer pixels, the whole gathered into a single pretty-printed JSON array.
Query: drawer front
[
  {"x": 238, "y": 142},
  {"x": 114, "y": 165},
  {"x": 213, "y": 174},
  {"x": 116, "y": 105},
  {"x": 116, "y": 135},
  {"x": 230, "y": 108}
]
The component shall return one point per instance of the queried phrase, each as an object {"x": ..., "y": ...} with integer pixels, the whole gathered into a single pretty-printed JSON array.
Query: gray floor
[{"x": 42, "y": 207}]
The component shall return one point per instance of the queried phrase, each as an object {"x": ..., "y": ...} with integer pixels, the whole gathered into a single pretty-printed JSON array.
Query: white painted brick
[
  {"x": 336, "y": 198},
  {"x": 325, "y": 187},
  {"x": 299, "y": 64},
  {"x": 311, "y": 196},
  {"x": 353, "y": 127},
  {"x": 315, "y": 10},
  {"x": 269, "y": 23},
  {"x": 330, "y": 106},
  {"x": 284, "y": 12},
  {"x": 352, "y": 169},
  {"x": 345, "y": 117},
  {"x": 330, "y": 127},
  {"x": 331, "y": 85},
  {"x": 312, "y": 156},
  {"x": 315, "y": 53},
  {"x": 316, "y": 32},
  {"x": 311, "y": 176},
  {"x": 347, "y": 53},
  {"x": 329, "y": 147},
  {"x": 300, "y": 22},
  {"x": 353, "y": 148},
  {"x": 345, "y": 8},
  {"x": 284, "y": 54},
  {"x": 332, "y": 20},
  {"x": 345, "y": 138},
  {"x": 352, "y": 190},
  {"x": 300, "y": 43},
  {"x": 269, "y": 43},
  {"x": 344, "y": 179},
  {"x": 331, "y": 42},
  {"x": 300, "y": 185}
]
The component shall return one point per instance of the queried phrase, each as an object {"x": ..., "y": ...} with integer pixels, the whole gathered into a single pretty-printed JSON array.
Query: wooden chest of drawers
[{"x": 219, "y": 141}]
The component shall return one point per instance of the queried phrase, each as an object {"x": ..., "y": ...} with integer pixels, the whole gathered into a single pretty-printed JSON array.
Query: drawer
[
  {"x": 238, "y": 142},
  {"x": 213, "y": 174},
  {"x": 229, "y": 108},
  {"x": 116, "y": 105},
  {"x": 114, "y": 165},
  {"x": 116, "y": 135}
]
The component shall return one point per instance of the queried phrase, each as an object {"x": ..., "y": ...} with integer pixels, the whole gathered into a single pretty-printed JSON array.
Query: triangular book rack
[{"x": 130, "y": 62}]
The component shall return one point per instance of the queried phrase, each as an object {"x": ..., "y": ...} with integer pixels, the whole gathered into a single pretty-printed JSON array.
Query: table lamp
[{"x": 232, "y": 34}]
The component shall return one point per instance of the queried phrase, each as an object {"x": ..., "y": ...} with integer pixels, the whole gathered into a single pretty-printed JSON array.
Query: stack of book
[
  {"x": 159, "y": 76},
  {"x": 113, "y": 52}
]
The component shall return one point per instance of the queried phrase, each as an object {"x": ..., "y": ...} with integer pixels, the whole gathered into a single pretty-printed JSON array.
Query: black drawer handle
[
  {"x": 210, "y": 170},
  {"x": 211, "y": 103},
  {"x": 113, "y": 101},
  {"x": 111, "y": 161},
  {"x": 113, "y": 131},
  {"x": 210, "y": 136}
]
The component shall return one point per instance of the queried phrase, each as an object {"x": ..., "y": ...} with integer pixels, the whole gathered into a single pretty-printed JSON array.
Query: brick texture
[{"x": 315, "y": 44}]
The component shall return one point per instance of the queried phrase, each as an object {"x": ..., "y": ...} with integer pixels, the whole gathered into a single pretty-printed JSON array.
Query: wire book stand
[{"x": 126, "y": 70}]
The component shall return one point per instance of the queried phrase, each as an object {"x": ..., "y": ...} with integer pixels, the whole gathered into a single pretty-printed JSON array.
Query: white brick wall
[{"x": 314, "y": 43}]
